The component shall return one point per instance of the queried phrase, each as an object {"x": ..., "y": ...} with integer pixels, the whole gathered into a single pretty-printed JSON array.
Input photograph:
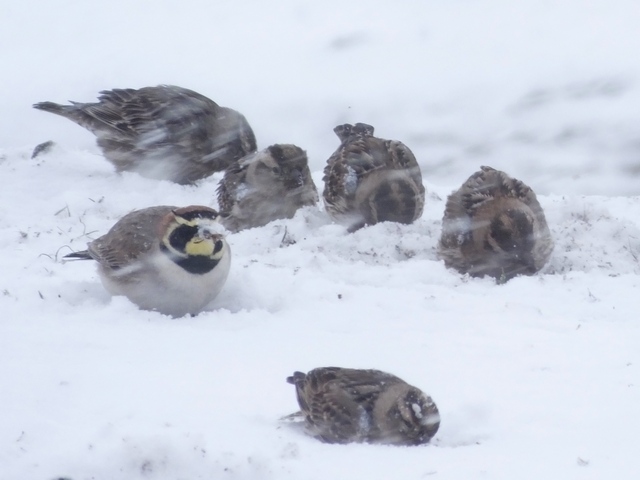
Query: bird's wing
[{"x": 136, "y": 234}]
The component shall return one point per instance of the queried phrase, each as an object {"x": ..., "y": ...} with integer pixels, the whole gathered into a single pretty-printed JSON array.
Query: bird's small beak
[{"x": 203, "y": 234}]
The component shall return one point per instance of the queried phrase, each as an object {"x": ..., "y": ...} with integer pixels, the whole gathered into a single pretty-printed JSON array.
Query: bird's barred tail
[
  {"x": 297, "y": 378},
  {"x": 76, "y": 112},
  {"x": 53, "y": 108},
  {"x": 83, "y": 255}
]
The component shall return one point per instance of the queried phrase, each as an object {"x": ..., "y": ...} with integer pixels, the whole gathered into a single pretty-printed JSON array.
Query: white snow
[
  {"x": 350, "y": 180},
  {"x": 537, "y": 378}
]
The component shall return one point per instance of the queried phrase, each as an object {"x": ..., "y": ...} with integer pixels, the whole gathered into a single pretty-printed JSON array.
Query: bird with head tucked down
[
  {"x": 369, "y": 180},
  {"x": 164, "y": 132},
  {"x": 268, "y": 185},
  {"x": 344, "y": 405},
  {"x": 494, "y": 225}
]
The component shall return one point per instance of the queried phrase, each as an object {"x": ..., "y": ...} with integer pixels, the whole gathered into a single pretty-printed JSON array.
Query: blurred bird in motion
[
  {"x": 265, "y": 186},
  {"x": 369, "y": 180},
  {"x": 164, "y": 132},
  {"x": 494, "y": 225}
]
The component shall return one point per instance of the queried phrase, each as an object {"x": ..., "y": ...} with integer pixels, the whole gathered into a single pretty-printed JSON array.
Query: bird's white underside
[{"x": 168, "y": 288}]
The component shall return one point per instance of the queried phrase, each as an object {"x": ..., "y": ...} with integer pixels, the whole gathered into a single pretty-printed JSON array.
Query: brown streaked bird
[
  {"x": 369, "y": 180},
  {"x": 164, "y": 132},
  {"x": 265, "y": 186},
  {"x": 343, "y": 405},
  {"x": 494, "y": 225},
  {"x": 168, "y": 259}
]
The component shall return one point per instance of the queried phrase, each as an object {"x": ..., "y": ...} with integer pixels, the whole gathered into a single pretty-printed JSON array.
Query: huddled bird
[
  {"x": 164, "y": 132},
  {"x": 265, "y": 186},
  {"x": 369, "y": 180},
  {"x": 343, "y": 405},
  {"x": 494, "y": 225},
  {"x": 168, "y": 259}
]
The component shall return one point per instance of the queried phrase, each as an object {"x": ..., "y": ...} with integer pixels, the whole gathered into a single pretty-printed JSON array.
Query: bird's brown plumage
[
  {"x": 369, "y": 180},
  {"x": 163, "y": 258},
  {"x": 164, "y": 132},
  {"x": 494, "y": 225},
  {"x": 268, "y": 185},
  {"x": 342, "y": 405}
]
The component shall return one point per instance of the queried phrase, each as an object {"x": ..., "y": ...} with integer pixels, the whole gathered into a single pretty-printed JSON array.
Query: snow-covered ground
[{"x": 537, "y": 378}]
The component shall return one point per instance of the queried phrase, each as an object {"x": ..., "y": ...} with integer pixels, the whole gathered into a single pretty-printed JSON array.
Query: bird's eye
[
  {"x": 276, "y": 170},
  {"x": 218, "y": 246}
]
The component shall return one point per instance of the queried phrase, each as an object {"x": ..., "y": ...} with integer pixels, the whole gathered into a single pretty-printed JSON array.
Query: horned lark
[
  {"x": 342, "y": 405},
  {"x": 271, "y": 184},
  {"x": 369, "y": 180},
  {"x": 493, "y": 225},
  {"x": 168, "y": 259},
  {"x": 164, "y": 132}
]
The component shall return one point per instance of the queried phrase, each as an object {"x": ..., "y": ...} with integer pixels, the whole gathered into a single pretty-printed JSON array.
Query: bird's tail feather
[
  {"x": 52, "y": 107},
  {"x": 82, "y": 255}
]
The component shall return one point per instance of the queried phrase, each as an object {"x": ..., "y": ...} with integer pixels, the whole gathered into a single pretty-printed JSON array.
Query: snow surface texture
[{"x": 538, "y": 378}]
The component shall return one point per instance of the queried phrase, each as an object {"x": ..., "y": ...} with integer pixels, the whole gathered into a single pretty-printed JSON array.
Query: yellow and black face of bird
[
  {"x": 204, "y": 243},
  {"x": 194, "y": 239}
]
